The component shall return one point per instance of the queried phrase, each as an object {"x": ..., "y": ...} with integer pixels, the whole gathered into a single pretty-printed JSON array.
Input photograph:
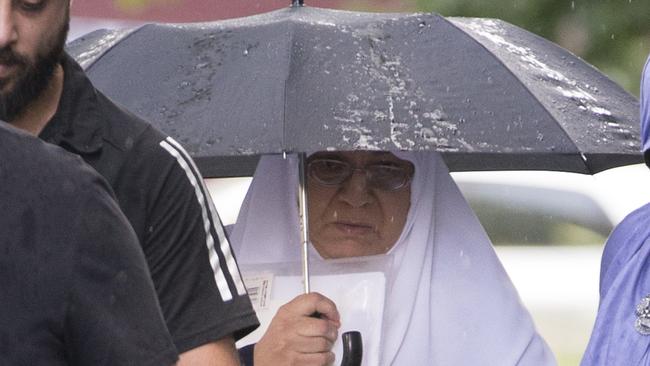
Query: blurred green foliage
[
  {"x": 514, "y": 225},
  {"x": 612, "y": 35}
]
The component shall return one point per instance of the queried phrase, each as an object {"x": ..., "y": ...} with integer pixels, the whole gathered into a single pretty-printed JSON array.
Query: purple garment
[
  {"x": 625, "y": 279},
  {"x": 624, "y": 282}
]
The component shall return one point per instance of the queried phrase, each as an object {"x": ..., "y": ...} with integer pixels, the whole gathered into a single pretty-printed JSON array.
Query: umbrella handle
[{"x": 352, "y": 348}]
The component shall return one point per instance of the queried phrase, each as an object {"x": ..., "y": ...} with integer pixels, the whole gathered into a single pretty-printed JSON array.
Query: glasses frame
[{"x": 407, "y": 169}]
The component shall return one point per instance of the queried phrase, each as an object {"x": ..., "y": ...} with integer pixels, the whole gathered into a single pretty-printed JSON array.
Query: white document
[{"x": 359, "y": 297}]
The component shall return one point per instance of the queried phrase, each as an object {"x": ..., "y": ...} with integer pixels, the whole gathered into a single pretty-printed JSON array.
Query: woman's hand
[{"x": 296, "y": 336}]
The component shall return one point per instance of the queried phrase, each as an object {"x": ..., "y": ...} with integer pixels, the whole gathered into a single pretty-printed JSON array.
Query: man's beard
[{"x": 32, "y": 79}]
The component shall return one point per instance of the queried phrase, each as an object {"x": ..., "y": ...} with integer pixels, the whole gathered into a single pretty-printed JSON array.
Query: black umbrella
[{"x": 488, "y": 95}]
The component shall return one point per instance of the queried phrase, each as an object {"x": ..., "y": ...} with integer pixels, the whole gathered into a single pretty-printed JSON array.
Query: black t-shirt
[
  {"x": 162, "y": 194},
  {"x": 75, "y": 287}
]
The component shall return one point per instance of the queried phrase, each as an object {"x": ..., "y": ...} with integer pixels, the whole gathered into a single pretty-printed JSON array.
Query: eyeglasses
[{"x": 383, "y": 176}]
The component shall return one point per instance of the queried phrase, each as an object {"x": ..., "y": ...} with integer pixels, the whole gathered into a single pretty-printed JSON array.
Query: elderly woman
[{"x": 450, "y": 301}]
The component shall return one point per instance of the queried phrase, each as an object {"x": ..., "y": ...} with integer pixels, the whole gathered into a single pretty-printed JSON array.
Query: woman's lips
[{"x": 353, "y": 228}]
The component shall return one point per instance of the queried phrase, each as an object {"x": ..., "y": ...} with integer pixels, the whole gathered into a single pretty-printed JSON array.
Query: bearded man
[{"x": 45, "y": 92}]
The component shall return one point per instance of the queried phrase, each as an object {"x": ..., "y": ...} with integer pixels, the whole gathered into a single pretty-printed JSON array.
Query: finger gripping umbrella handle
[{"x": 352, "y": 349}]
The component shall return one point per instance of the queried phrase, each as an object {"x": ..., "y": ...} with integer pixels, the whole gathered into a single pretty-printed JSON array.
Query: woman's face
[{"x": 359, "y": 211}]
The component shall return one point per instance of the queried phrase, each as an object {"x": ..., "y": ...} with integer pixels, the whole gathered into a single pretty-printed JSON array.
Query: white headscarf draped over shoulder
[{"x": 449, "y": 301}]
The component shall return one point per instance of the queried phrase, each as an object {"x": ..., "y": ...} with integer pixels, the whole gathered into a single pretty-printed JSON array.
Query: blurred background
[{"x": 548, "y": 227}]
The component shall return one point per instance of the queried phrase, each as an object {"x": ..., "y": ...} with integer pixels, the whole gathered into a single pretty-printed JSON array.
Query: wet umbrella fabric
[
  {"x": 487, "y": 94},
  {"x": 645, "y": 109}
]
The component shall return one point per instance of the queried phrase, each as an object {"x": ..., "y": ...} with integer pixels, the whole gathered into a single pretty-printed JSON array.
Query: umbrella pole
[
  {"x": 304, "y": 221},
  {"x": 352, "y": 341},
  {"x": 297, "y": 3}
]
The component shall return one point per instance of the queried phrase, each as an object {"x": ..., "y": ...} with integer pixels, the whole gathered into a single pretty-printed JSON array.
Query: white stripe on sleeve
[
  {"x": 226, "y": 250},
  {"x": 220, "y": 279}
]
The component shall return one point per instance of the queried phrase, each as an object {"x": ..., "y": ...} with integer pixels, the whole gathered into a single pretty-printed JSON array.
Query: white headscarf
[{"x": 448, "y": 303}]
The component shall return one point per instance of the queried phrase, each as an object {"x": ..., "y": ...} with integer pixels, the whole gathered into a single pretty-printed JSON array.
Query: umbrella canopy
[{"x": 488, "y": 95}]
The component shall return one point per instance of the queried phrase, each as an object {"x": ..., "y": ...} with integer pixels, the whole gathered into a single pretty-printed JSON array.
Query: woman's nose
[{"x": 355, "y": 191}]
